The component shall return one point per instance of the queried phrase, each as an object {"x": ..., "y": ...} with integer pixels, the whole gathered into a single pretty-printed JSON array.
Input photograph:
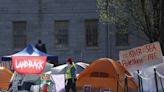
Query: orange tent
[
  {"x": 5, "y": 77},
  {"x": 105, "y": 73}
]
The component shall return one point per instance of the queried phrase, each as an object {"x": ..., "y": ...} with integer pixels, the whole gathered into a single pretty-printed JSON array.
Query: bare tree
[
  {"x": 145, "y": 13},
  {"x": 162, "y": 26}
]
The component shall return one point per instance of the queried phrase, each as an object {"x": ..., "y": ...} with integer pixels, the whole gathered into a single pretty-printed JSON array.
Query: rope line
[
  {"x": 160, "y": 75},
  {"x": 129, "y": 76},
  {"x": 145, "y": 78}
]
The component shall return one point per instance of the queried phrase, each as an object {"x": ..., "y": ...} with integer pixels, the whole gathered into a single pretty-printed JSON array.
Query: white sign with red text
[
  {"x": 29, "y": 64},
  {"x": 141, "y": 57}
]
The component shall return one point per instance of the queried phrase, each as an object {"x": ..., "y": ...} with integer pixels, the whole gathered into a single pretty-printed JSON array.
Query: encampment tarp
[
  {"x": 30, "y": 50},
  {"x": 105, "y": 73},
  {"x": 80, "y": 66}
]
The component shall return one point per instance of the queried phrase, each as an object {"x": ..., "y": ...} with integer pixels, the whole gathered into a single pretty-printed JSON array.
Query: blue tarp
[{"x": 30, "y": 50}]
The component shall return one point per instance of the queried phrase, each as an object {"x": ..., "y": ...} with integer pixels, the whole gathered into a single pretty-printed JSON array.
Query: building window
[
  {"x": 61, "y": 33},
  {"x": 19, "y": 34},
  {"x": 91, "y": 32},
  {"x": 122, "y": 35}
]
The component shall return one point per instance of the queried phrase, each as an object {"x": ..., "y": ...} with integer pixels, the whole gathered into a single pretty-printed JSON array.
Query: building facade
[{"x": 67, "y": 27}]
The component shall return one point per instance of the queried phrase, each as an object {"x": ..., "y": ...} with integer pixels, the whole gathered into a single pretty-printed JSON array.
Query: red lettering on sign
[
  {"x": 135, "y": 52},
  {"x": 151, "y": 56},
  {"x": 142, "y": 56},
  {"x": 150, "y": 48},
  {"x": 132, "y": 62}
]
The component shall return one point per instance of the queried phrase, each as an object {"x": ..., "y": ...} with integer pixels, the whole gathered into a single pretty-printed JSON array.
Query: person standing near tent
[
  {"x": 41, "y": 46},
  {"x": 70, "y": 82}
]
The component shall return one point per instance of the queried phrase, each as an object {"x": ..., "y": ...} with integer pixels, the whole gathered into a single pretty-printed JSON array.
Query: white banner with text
[{"x": 141, "y": 57}]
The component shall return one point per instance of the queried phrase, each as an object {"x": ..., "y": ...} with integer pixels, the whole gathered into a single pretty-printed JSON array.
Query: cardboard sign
[
  {"x": 141, "y": 57},
  {"x": 29, "y": 64}
]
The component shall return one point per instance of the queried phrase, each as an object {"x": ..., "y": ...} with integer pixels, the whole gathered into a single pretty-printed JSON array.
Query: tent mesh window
[{"x": 99, "y": 74}]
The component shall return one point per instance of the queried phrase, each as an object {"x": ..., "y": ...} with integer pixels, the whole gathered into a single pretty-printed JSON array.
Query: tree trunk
[{"x": 162, "y": 26}]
